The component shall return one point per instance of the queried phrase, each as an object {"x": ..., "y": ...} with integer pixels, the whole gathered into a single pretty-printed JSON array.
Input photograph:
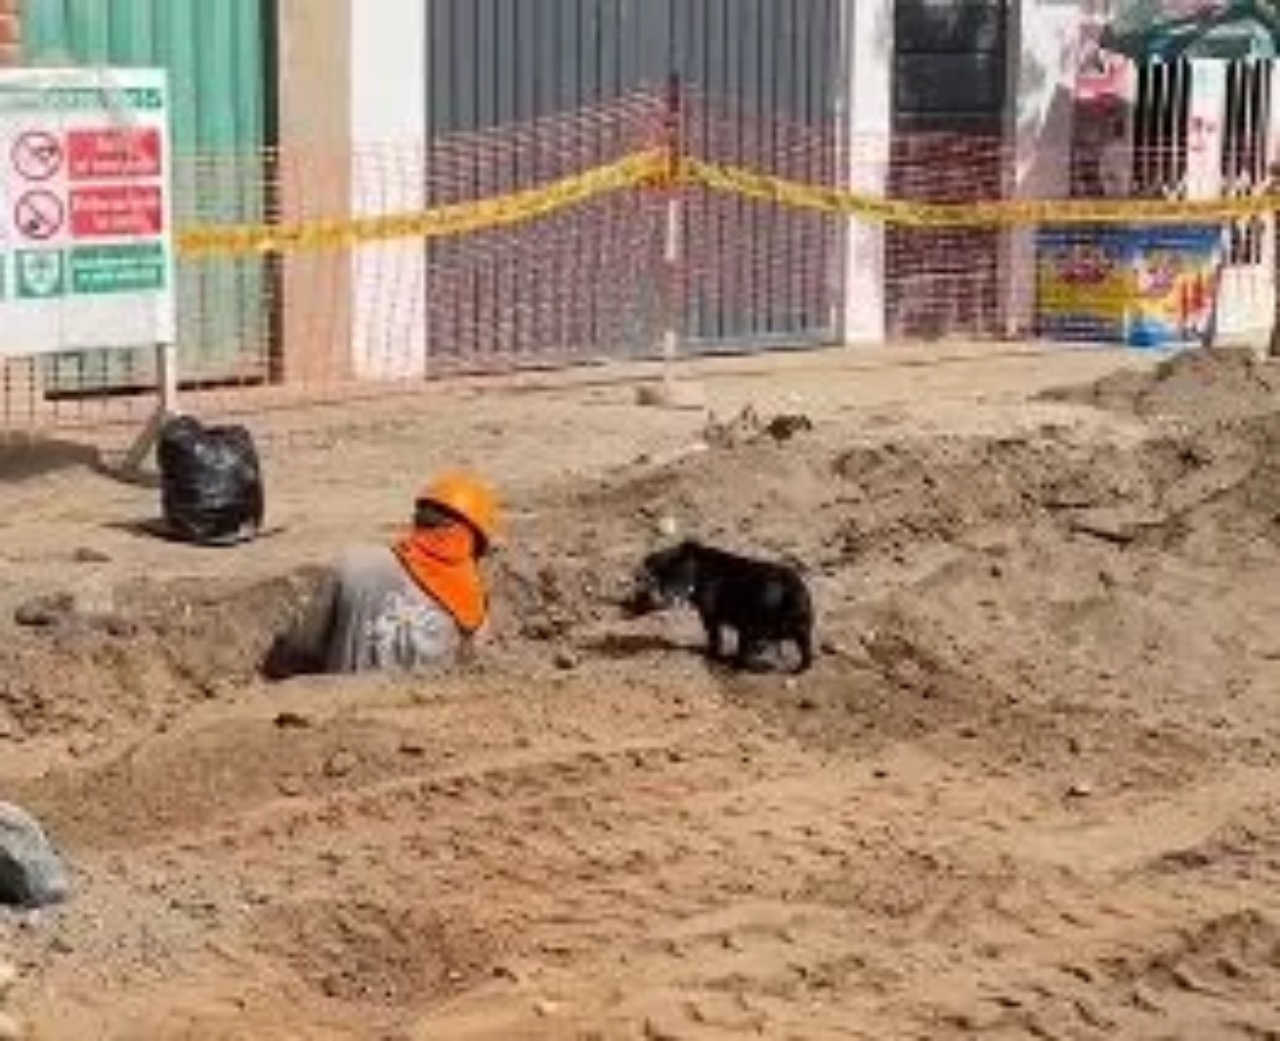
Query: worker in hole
[{"x": 414, "y": 605}]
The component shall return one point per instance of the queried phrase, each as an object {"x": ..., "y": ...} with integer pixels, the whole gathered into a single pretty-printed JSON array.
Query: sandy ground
[{"x": 1030, "y": 790}]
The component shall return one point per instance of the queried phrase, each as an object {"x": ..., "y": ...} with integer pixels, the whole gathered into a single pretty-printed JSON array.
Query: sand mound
[
  {"x": 1010, "y": 523},
  {"x": 1198, "y": 385},
  {"x": 846, "y": 513},
  {"x": 1069, "y": 548}
]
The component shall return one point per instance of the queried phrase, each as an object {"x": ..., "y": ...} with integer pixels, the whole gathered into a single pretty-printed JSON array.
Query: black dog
[{"x": 762, "y": 602}]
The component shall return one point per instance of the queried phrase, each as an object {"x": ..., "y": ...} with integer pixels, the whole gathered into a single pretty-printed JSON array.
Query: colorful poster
[{"x": 1143, "y": 287}]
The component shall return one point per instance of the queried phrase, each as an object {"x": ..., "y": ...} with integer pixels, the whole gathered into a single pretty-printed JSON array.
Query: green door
[{"x": 216, "y": 53}]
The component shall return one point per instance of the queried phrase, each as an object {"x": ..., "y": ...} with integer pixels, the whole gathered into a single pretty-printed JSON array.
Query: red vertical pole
[
  {"x": 672, "y": 252},
  {"x": 673, "y": 127}
]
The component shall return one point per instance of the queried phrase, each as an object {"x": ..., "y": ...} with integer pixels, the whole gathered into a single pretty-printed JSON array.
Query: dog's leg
[
  {"x": 804, "y": 643},
  {"x": 750, "y": 646},
  {"x": 715, "y": 637}
]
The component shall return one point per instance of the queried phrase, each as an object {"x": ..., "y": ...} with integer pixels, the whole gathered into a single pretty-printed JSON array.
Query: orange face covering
[{"x": 443, "y": 562}]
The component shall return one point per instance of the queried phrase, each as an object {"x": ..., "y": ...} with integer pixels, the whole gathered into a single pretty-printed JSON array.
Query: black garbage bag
[{"x": 211, "y": 482}]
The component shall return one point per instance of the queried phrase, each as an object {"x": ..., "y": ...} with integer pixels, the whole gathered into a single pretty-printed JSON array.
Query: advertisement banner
[{"x": 1142, "y": 287}]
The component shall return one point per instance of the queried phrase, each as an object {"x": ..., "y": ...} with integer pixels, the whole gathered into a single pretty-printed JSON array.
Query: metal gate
[
  {"x": 1201, "y": 130},
  {"x": 1247, "y": 292},
  {"x": 760, "y": 79},
  {"x": 216, "y": 53}
]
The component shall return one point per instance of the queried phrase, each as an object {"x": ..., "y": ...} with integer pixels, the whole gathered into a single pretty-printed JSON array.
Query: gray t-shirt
[{"x": 372, "y": 616}]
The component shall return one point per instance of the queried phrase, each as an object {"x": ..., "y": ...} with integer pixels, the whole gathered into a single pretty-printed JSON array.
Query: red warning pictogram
[
  {"x": 37, "y": 155},
  {"x": 39, "y": 215}
]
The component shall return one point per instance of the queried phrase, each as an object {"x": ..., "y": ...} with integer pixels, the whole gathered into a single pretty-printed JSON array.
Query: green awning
[
  {"x": 1244, "y": 39},
  {"x": 1235, "y": 29}
]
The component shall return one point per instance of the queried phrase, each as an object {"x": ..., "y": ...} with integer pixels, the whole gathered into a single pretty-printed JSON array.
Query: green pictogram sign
[{"x": 40, "y": 274}]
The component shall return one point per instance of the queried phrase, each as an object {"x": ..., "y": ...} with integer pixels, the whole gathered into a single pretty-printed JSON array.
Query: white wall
[
  {"x": 866, "y": 125},
  {"x": 1044, "y": 50},
  {"x": 388, "y": 70}
]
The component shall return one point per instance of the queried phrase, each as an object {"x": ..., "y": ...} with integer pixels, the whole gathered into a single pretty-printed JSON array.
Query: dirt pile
[
  {"x": 999, "y": 580},
  {"x": 1069, "y": 547},
  {"x": 848, "y": 511},
  {"x": 1199, "y": 385}
]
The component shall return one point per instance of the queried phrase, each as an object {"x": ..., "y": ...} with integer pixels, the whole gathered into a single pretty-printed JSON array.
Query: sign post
[{"x": 86, "y": 237}]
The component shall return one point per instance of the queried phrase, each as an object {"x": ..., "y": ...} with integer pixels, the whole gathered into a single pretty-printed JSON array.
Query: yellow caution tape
[
  {"x": 652, "y": 168},
  {"x": 443, "y": 221},
  {"x": 993, "y": 214}
]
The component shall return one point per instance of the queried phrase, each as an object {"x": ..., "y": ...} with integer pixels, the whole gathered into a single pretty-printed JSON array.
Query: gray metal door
[
  {"x": 534, "y": 89},
  {"x": 764, "y": 77}
]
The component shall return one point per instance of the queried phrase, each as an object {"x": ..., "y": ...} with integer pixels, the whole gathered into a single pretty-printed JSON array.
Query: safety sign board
[{"x": 86, "y": 243}]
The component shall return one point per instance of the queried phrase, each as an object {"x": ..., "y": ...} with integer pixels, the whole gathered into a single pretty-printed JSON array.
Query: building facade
[{"x": 911, "y": 98}]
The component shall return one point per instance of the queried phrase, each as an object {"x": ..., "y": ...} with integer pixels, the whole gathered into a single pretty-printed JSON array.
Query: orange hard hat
[{"x": 468, "y": 498}]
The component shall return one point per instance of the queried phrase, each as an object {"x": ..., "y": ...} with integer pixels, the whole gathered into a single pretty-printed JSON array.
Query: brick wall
[{"x": 10, "y": 32}]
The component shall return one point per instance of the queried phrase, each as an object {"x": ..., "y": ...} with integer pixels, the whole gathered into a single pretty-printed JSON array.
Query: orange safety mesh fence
[
  {"x": 943, "y": 279},
  {"x": 789, "y": 234},
  {"x": 333, "y": 322}
]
